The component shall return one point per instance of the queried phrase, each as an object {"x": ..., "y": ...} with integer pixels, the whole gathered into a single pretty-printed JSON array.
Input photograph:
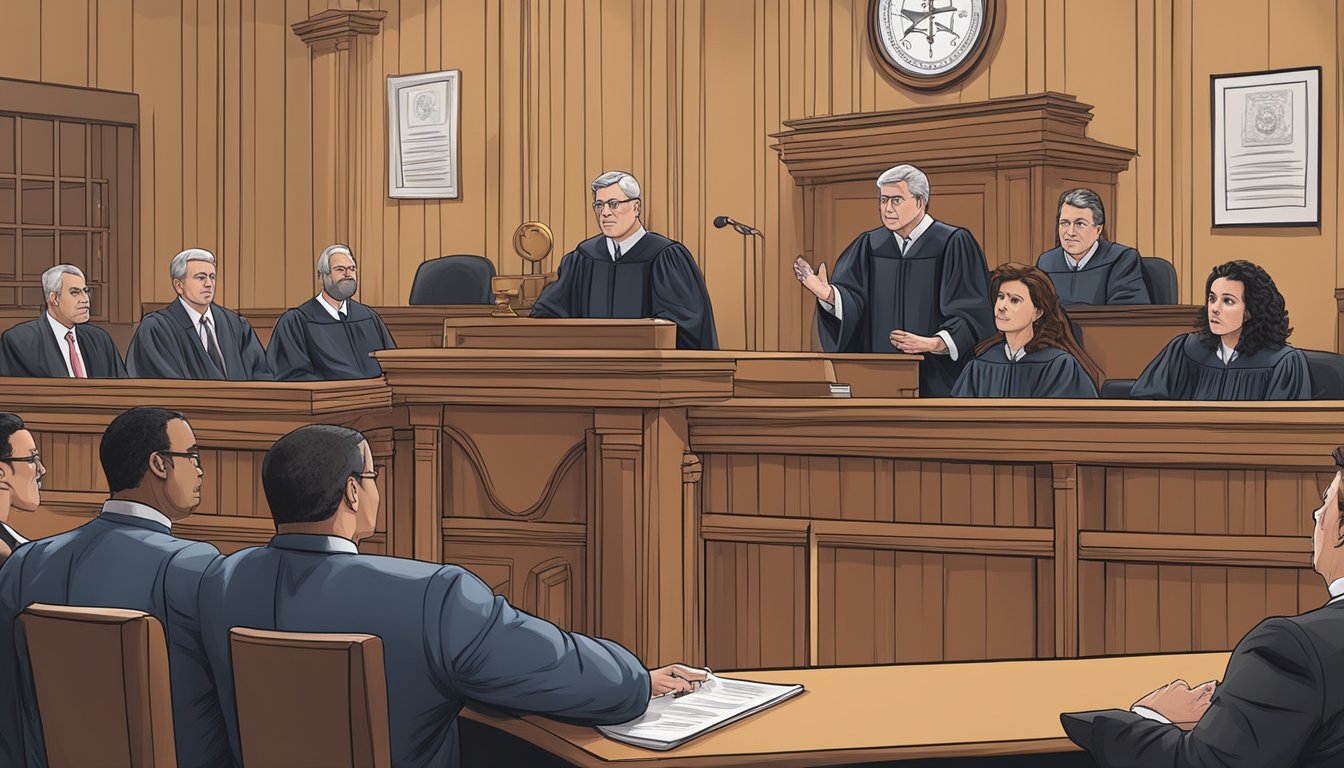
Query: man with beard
[{"x": 329, "y": 336}]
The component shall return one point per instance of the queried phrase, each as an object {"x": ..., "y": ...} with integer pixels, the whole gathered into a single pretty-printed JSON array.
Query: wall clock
[{"x": 931, "y": 44}]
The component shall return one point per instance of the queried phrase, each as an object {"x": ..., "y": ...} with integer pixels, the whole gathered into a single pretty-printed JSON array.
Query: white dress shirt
[
  {"x": 905, "y": 243},
  {"x": 18, "y": 537},
  {"x": 136, "y": 509},
  {"x": 1079, "y": 264},
  {"x": 60, "y": 331},
  {"x": 1336, "y": 594},
  {"x": 200, "y": 329},
  {"x": 336, "y": 312},
  {"x": 616, "y": 249},
  {"x": 1226, "y": 354},
  {"x": 339, "y": 544}
]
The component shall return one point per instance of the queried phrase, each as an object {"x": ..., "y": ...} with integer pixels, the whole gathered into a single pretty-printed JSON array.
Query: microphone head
[{"x": 722, "y": 221}]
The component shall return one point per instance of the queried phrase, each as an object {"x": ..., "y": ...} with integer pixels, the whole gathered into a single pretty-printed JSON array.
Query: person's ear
[
  {"x": 1039, "y": 314},
  {"x": 1339, "y": 527},
  {"x": 159, "y": 466},
  {"x": 352, "y": 493}
]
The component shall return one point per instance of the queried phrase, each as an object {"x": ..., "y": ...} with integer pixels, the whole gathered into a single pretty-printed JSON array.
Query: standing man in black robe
[
  {"x": 913, "y": 285},
  {"x": 628, "y": 271},
  {"x": 61, "y": 342},
  {"x": 194, "y": 338},
  {"x": 1085, "y": 268},
  {"x": 330, "y": 336}
]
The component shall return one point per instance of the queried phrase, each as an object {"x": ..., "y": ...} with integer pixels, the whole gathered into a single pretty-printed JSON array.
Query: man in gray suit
[
  {"x": 447, "y": 640},
  {"x": 126, "y": 557},
  {"x": 1279, "y": 704}
]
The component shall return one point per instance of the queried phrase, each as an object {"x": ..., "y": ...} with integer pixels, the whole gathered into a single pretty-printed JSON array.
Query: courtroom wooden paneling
[
  {"x": 1123, "y": 340},
  {"x": 233, "y": 152},
  {"x": 755, "y": 605}
]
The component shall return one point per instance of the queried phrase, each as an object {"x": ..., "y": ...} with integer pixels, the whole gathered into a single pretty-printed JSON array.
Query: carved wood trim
[
  {"x": 545, "y": 577},
  {"x": 336, "y": 30},
  {"x": 1065, "y": 484},
  {"x": 1196, "y": 549},
  {"x": 914, "y": 537},
  {"x": 479, "y": 530},
  {"x": 477, "y": 461}
]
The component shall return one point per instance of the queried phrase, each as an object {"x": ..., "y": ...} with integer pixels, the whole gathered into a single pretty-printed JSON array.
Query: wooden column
[
  {"x": 423, "y": 518},
  {"x": 1066, "y": 559},
  {"x": 333, "y": 38},
  {"x": 693, "y": 640}
]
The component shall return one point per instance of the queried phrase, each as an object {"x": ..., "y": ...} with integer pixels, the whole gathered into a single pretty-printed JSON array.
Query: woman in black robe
[
  {"x": 1240, "y": 351},
  {"x": 1033, "y": 353}
]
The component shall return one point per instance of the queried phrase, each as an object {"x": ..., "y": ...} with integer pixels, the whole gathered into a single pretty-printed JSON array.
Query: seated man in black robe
[
  {"x": 1242, "y": 351},
  {"x": 194, "y": 338},
  {"x": 61, "y": 342},
  {"x": 1085, "y": 268},
  {"x": 330, "y": 336},
  {"x": 912, "y": 285},
  {"x": 1033, "y": 354},
  {"x": 628, "y": 271}
]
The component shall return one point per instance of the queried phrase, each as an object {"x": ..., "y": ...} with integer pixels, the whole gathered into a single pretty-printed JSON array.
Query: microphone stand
[{"x": 752, "y": 275}]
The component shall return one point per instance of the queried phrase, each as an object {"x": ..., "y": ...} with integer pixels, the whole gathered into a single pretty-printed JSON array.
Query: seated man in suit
[
  {"x": 61, "y": 342},
  {"x": 21, "y": 474},
  {"x": 1280, "y": 702},
  {"x": 330, "y": 336},
  {"x": 126, "y": 557},
  {"x": 628, "y": 271},
  {"x": 1085, "y": 268},
  {"x": 447, "y": 640},
  {"x": 194, "y": 338}
]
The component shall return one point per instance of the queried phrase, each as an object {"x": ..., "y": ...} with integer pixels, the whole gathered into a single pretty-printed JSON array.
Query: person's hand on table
[
  {"x": 676, "y": 679},
  {"x": 1180, "y": 703}
]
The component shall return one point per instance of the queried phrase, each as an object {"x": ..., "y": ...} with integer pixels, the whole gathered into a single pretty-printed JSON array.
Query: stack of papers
[{"x": 671, "y": 721}]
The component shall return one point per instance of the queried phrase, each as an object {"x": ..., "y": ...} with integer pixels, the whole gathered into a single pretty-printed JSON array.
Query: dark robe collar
[
  {"x": 997, "y": 355},
  {"x": 1201, "y": 355},
  {"x": 313, "y": 311},
  {"x": 649, "y": 246},
  {"x": 1107, "y": 252},
  {"x": 882, "y": 241}
]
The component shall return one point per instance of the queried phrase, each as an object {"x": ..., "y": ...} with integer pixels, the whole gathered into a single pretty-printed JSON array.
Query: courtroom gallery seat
[
  {"x": 1327, "y": 374},
  {"x": 101, "y": 679},
  {"x": 310, "y": 699},
  {"x": 1159, "y": 276},
  {"x": 458, "y": 279}
]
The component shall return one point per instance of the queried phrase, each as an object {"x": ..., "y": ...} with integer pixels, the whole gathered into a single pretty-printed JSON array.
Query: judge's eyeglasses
[{"x": 611, "y": 205}]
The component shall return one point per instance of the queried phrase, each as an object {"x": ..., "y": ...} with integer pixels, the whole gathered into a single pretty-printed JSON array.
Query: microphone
[{"x": 742, "y": 229}]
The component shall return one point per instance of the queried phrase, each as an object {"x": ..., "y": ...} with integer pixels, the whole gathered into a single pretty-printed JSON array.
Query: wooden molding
[
  {"x": 1192, "y": 549},
  {"x": 913, "y": 537},
  {"x": 478, "y": 463},
  {"x": 1067, "y": 514},
  {"x": 480, "y": 530},
  {"x": 336, "y": 30}
]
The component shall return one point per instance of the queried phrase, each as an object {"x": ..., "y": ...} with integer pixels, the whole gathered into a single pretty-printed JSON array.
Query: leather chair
[
  {"x": 1116, "y": 389},
  {"x": 458, "y": 279},
  {"x": 101, "y": 679},
  {"x": 310, "y": 699},
  {"x": 1159, "y": 276},
  {"x": 1327, "y": 374}
]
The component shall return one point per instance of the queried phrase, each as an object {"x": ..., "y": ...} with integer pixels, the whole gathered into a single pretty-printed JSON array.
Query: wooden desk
[
  {"x": 418, "y": 326},
  {"x": 1124, "y": 339},
  {"x": 860, "y": 714}
]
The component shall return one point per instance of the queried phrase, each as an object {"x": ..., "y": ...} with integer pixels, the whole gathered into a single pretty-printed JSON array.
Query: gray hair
[
  {"x": 913, "y": 178},
  {"x": 627, "y": 183},
  {"x": 1083, "y": 197},
  {"x": 51, "y": 279},
  {"x": 178, "y": 268},
  {"x": 324, "y": 261}
]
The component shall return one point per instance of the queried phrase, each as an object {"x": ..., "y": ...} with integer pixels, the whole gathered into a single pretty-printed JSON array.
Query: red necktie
[{"x": 76, "y": 367}]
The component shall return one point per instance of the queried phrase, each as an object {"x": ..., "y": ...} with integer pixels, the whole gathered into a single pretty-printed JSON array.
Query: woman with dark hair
[
  {"x": 1033, "y": 353},
  {"x": 1240, "y": 351}
]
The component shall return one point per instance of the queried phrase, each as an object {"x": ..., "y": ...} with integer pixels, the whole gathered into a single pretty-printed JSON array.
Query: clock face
[{"x": 929, "y": 39}]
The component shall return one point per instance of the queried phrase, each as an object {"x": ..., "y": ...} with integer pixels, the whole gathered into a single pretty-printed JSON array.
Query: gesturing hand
[
  {"x": 1180, "y": 703},
  {"x": 914, "y": 344},
  {"x": 815, "y": 282}
]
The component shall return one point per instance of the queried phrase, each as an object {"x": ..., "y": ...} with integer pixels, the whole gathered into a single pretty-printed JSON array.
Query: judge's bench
[{"x": 755, "y": 510}]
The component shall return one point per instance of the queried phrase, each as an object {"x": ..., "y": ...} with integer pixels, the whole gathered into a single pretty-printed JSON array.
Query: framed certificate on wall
[{"x": 422, "y": 135}]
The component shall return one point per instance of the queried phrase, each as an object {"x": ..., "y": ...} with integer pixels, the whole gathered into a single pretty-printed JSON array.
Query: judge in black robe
[
  {"x": 168, "y": 346},
  {"x": 1111, "y": 275},
  {"x": 310, "y": 345},
  {"x": 1047, "y": 372},
  {"x": 1189, "y": 370},
  {"x": 629, "y": 272},
  {"x": 31, "y": 349}
]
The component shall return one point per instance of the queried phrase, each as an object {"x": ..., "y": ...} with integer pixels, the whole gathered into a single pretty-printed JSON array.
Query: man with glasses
[
  {"x": 446, "y": 639},
  {"x": 21, "y": 474},
  {"x": 61, "y": 342},
  {"x": 330, "y": 336},
  {"x": 126, "y": 557},
  {"x": 1085, "y": 268},
  {"x": 628, "y": 271},
  {"x": 913, "y": 285}
]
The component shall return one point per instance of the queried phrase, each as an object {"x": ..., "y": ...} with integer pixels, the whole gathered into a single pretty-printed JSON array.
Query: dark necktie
[
  {"x": 211, "y": 348},
  {"x": 341, "y": 315},
  {"x": 615, "y": 251}
]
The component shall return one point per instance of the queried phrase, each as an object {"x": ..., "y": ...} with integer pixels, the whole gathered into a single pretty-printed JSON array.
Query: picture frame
[
  {"x": 423, "y": 135},
  {"x": 1266, "y": 148}
]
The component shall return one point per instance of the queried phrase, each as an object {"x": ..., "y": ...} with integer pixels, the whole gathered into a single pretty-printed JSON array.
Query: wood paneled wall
[{"x": 683, "y": 93}]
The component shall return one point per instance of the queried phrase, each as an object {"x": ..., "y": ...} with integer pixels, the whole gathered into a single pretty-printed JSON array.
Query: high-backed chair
[
  {"x": 310, "y": 699},
  {"x": 1159, "y": 276},
  {"x": 101, "y": 679},
  {"x": 1327, "y": 374},
  {"x": 458, "y": 279}
]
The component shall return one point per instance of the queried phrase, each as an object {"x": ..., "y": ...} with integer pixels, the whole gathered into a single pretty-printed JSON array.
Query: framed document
[
  {"x": 422, "y": 134},
  {"x": 1267, "y": 148}
]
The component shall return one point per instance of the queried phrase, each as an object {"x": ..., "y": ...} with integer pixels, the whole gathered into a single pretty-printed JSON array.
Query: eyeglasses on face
[
  {"x": 611, "y": 205},
  {"x": 350, "y": 270},
  {"x": 77, "y": 292},
  {"x": 370, "y": 475},
  {"x": 192, "y": 455},
  {"x": 35, "y": 459},
  {"x": 885, "y": 200}
]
